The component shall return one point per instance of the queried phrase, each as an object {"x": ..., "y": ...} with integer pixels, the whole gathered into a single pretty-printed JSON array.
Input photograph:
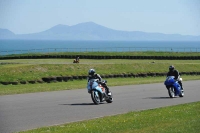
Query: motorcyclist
[
  {"x": 175, "y": 73},
  {"x": 93, "y": 75},
  {"x": 77, "y": 59}
]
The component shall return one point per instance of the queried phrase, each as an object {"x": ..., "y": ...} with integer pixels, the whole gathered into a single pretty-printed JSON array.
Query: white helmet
[{"x": 91, "y": 72}]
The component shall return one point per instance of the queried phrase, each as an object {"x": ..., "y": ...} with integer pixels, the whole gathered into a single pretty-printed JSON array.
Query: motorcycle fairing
[
  {"x": 92, "y": 84},
  {"x": 170, "y": 81}
]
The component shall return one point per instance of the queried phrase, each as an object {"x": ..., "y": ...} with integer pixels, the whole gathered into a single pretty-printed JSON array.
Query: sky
[{"x": 161, "y": 16}]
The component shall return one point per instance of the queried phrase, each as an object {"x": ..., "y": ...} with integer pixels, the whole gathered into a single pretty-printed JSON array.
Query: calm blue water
[{"x": 31, "y": 46}]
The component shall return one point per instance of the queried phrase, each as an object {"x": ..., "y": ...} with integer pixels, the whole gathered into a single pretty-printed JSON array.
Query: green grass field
[
  {"x": 161, "y": 120},
  {"x": 35, "y": 69}
]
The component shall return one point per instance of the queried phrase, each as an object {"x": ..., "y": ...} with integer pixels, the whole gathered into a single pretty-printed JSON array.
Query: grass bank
[{"x": 35, "y": 69}]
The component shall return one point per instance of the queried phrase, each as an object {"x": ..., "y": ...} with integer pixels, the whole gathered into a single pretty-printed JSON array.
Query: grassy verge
[
  {"x": 79, "y": 84},
  {"x": 162, "y": 120},
  {"x": 183, "y": 118},
  {"x": 36, "y": 69}
]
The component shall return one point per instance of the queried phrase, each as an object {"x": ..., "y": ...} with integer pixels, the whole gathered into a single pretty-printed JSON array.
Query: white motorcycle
[{"x": 99, "y": 91}]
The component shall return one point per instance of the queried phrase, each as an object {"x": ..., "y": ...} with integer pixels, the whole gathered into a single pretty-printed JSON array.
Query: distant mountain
[
  {"x": 6, "y": 34},
  {"x": 93, "y": 31}
]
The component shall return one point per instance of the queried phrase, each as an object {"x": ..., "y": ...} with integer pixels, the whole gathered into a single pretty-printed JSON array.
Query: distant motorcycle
[
  {"x": 99, "y": 91},
  {"x": 76, "y": 61},
  {"x": 174, "y": 89}
]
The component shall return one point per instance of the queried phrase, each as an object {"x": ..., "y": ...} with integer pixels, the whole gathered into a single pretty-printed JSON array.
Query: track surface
[{"x": 29, "y": 111}]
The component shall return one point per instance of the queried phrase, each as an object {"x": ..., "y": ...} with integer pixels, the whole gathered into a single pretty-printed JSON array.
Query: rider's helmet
[
  {"x": 91, "y": 72},
  {"x": 171, "y": 68}
]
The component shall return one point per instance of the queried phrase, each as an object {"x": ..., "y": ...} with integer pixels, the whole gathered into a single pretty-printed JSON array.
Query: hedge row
[
  {"x": 104, "y": 57},
  {"x": 71, "y": 78}
]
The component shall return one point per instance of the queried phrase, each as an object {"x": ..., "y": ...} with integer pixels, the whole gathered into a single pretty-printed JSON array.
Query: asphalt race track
[{"x": 28, "y": 111}]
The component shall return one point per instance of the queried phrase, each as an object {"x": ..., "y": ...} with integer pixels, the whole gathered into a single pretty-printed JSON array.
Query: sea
[{"x": 8, "y": 47}]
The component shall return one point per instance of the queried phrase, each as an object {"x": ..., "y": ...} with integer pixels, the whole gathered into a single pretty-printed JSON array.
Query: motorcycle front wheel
[
  {"x": 171, "y": 92},
  {"x": 95, "y": 97}
]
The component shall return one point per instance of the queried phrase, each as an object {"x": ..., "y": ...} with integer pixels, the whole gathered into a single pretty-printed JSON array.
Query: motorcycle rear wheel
[
  {"x": 181, "y": 94},
  {"x": 110, "y": 100}
]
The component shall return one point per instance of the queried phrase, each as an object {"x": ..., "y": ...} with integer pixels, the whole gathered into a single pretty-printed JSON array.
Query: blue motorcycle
[
  {"x": 174, "y": 89},
  {"x": 99, "y": 91}
]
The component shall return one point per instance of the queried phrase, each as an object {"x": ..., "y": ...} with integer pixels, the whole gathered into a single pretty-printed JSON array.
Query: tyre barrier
[
  {"x": 14, "y": 83},
  {"x": 39, "y": 81},
  {"x": 75, "y": 77},
  {"x": 102, "y": 57},
  {"x": 125, "y": 75},
  {"x": 142, "y": 75},
  {"x": 151, "y": 74},
  {"x": 22, "y": 82},
  {"x": 5, "y": 83},
  {"x": 59, "y": 79},
  {"x": 67, "y": 78},
  {"x": 46, "y": 79},
  {"x": 32, "y": 81},
  {"x": 54, "y": 79}
]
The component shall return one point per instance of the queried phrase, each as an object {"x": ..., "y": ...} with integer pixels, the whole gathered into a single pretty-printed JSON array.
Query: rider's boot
[
  {"x": 108, "y": 91},
  {"x": 102, "y": 97},
  {"x": 181, "y": 85}
]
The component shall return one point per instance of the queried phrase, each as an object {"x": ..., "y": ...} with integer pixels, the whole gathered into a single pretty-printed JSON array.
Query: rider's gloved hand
[
  {"x": 89, "y": 91},
  {"x": 175, "y": 79},
  {"x": 99, "y": 82}
]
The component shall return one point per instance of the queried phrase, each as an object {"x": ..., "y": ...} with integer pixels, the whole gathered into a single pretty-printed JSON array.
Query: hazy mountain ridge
[
  {"x": 93, "y": 31},
  {"x": 6, "y": 34}
]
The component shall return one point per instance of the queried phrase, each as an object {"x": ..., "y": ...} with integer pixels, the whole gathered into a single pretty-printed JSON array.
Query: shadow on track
[
  {"x": 76, "y": 104},
  {"x": 159, "y": 98}
]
